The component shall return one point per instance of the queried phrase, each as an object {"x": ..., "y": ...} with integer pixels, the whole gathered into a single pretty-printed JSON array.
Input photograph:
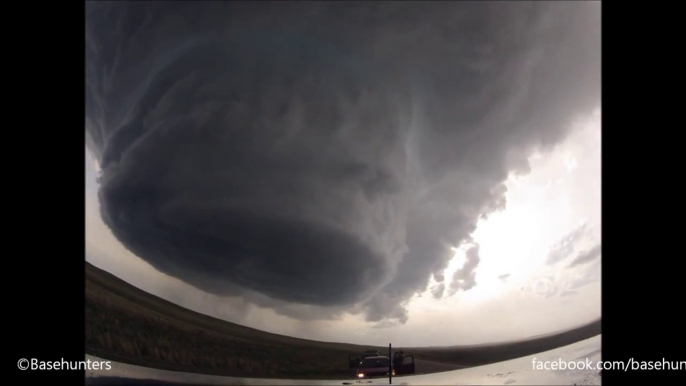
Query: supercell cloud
[{"x": 323, "y": 155}]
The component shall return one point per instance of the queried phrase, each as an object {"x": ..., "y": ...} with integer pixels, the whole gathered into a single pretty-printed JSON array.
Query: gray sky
[{"x": 423, "y": 173}]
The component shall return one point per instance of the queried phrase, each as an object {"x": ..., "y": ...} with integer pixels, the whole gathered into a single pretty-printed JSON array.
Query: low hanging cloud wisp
[
  {"x": 323, "y": 156},
  {"x": 586, "y": 256},
  {"x": 465, "y": 277}
]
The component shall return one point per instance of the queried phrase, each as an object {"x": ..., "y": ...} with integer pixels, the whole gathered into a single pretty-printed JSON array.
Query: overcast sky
[{"x": 422, "y": 173}]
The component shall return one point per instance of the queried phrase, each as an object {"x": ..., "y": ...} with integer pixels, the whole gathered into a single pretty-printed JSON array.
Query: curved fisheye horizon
[
  {"x": 566, "y": 178},
  {"x": 350, "y": 173}
]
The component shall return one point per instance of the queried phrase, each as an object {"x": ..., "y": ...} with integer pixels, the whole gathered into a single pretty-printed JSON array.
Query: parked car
[
  {"x": 371, "y": 367},
  {"x": 370, "y": 353},
  {"x": 405, "y": 366},
  {"x": 379, "y": 366},
  {"x": 354, "y": 360}
]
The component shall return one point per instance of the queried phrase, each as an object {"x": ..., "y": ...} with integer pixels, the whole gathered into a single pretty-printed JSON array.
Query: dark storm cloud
[
  {"x": 586, "y": 256},
  {"x": 465, "y": 277},
  {"x": 565, "y": 246},
  {"x": 324, "y": 155}
]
